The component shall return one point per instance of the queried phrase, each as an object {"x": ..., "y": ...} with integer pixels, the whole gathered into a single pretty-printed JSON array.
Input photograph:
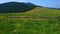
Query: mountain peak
[
  {"x": 30, "y": 4},
  {"x": 16, "y": 7}
]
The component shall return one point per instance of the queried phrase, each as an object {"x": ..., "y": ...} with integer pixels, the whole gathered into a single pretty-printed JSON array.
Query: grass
[{"x": 36, "y": 25}]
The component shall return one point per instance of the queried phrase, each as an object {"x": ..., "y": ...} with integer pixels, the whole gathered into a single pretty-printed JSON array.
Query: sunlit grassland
[{"x": 31, "y": 26}]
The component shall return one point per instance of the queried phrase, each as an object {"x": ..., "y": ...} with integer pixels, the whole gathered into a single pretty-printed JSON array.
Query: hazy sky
[{"x": 46, "y": 3}]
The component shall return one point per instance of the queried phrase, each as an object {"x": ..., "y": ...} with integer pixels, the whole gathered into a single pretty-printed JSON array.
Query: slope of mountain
[
  {"x": 35, "y": 25},
  {"x": 11, "y": 7}
]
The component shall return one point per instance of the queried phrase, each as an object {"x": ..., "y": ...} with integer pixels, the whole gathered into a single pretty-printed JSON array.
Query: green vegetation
[{"x": 36, "y": 25}]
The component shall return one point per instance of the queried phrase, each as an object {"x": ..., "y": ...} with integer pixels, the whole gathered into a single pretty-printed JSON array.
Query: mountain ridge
[{"x": 18, "y": 7}]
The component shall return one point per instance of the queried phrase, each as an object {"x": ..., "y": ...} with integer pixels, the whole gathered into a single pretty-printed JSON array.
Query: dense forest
[{"x": 14, "y": 7}]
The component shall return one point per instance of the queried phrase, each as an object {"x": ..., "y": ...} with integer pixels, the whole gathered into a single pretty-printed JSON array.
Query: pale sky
[{"x": 46, "y": 3}]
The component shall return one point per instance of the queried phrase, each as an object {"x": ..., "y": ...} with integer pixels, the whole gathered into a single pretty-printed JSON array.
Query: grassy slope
[{"x": 31, "y": 26}]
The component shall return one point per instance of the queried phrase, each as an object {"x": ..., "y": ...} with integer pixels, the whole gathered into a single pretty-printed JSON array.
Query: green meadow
[{"x": 36, "y": 25}]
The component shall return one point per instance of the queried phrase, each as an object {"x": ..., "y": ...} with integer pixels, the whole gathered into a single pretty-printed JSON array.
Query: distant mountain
[
  {"x": 50, "y": 8},
  {"x": 11, "y": 7}
]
